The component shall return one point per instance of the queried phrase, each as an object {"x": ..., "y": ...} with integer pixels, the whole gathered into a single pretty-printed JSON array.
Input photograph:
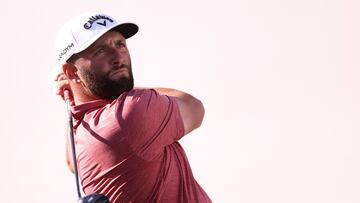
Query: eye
[
  {"x": 99, "y": 51},
  {"x": 120, "y": 44}
]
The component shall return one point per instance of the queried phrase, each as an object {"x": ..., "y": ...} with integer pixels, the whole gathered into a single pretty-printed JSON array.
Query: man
[{"x": 126, "y": 138}]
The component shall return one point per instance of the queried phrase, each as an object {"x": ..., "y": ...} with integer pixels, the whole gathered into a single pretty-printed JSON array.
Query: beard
[{"x": 103, "y": 87}]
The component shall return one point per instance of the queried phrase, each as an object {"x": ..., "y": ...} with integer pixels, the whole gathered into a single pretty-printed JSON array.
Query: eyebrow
[
  {"x": 95, "y": 46},
  {"x": 101, "y": 44}
]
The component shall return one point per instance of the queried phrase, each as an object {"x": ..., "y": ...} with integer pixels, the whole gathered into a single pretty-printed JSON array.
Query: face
[{"x": 105, "y": 67}]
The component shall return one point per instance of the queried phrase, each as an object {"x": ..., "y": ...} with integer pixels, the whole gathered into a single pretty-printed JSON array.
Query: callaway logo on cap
[{"x": 83, "y": 30}]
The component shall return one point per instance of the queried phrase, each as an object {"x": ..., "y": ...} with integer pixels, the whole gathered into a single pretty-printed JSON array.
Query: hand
[{"x": 61, "y": 82}]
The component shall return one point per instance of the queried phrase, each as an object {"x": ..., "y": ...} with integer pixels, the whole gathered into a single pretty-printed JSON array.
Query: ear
[{"x": 71, "y": 72}]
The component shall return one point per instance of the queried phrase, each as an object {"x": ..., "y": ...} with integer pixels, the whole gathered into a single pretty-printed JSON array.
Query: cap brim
[{"x": 127, "y": 29}]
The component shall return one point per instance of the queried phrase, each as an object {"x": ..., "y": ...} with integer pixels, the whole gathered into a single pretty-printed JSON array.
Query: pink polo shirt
[{"x": 127, "y": 149}]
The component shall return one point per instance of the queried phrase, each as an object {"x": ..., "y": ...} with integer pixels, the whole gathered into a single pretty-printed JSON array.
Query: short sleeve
[{"x": 150, "y": 121}]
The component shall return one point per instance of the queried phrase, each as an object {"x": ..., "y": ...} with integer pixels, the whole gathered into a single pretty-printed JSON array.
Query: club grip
[{"x": 67, "y": 95}]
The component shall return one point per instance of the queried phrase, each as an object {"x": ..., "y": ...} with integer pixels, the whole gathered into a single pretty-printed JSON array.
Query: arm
[
  {"x": 67, "y": 154},
  {"x": 191, "y": 109},
  {"x": 60, "y": 83}
]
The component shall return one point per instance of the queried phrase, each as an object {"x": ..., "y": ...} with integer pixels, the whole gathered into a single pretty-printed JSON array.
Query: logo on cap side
[
  {"x": 64, "y": 51},
  {"x": 93, "y": 19}
]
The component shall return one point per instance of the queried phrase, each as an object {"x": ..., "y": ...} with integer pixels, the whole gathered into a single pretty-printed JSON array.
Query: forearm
[
  {"x": 68, "y": 153},
  {"x": 171, "y": 92},
  {"x": 168, "y": 92},
  {"x": 179, "y": 95}
]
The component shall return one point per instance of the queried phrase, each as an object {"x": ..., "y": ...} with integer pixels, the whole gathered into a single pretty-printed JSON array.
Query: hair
[{"x": 72, "y": 58}]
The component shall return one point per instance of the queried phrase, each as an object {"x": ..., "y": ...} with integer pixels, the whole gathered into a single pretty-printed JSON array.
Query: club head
[{"x": 94, "y": 198}]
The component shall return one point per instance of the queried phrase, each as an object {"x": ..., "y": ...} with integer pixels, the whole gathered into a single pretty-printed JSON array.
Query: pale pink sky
[{"x": 279, "y": 81}]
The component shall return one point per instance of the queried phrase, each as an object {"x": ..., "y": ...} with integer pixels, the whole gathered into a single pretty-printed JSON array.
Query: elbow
[
  {"x": 192, "y": 112},
  {"x": 200, "y": 113}
]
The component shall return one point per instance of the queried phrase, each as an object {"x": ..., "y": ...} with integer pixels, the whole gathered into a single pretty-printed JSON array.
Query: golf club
[{"x": 92, "y": 198}]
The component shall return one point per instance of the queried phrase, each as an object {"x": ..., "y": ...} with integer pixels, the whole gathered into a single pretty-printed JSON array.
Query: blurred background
[{"x": 279, "y": 81}]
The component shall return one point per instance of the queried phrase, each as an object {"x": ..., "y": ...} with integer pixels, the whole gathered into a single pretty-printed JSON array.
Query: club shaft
[{"x": 72, "y": 141}]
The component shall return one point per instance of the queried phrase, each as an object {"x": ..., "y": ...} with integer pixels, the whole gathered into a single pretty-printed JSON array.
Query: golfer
[{"x": 126, "y": 138}]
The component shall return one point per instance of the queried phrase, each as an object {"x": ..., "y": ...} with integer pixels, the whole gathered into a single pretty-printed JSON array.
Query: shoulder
[
  {"x": 138, "y": 94},
  {"x": 140, "y": 101},
  {"x": 142, "y": 95}
]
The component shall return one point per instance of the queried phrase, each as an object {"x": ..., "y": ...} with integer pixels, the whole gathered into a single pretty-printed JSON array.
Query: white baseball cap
[{"x": 81, "y": 31}]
